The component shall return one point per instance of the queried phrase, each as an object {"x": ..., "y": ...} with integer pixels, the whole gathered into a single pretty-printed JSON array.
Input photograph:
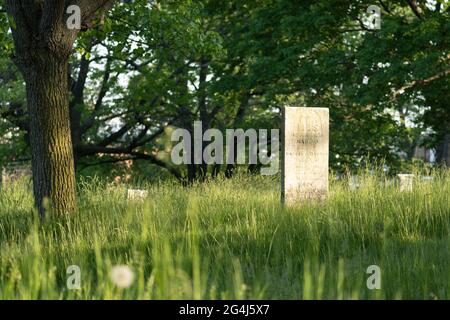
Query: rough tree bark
[
  {"x": 43, "y": 45},
  {"x": 50, "y": 135}
]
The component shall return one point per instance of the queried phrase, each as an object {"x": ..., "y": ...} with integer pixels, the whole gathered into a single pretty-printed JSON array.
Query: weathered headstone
[
  {"x": 133, "y": 194},
  {"x": 13, "y": 174},
  {"x": 305, "y": 143},
  {"x": 427, "y": 178},
  {"x": 354, "y": 182},
  {"x": 406, "y": 182}
]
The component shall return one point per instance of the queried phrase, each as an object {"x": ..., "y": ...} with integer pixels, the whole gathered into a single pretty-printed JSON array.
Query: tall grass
[{"x": 231, "y": 239}]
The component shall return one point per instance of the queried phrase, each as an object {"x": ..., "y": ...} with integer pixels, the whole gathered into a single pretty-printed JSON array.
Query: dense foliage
[{"x": 152, "y": 65}]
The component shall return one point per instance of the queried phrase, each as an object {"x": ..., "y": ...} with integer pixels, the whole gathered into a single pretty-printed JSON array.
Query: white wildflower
[{"x": 122, "y": 276}]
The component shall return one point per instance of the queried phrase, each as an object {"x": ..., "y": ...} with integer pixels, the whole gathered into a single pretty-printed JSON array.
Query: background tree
[{"x": 375, "y": 82}]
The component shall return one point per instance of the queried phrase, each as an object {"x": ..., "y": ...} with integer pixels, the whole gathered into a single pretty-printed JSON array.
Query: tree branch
[
  {"x": 89, "y": 122},
  {"x": 385, "y": 7},
  {"x": 93, "y": 10},
  {"x": 115, "y": 136},
  {"x": 133, "y": 155},
  {"x": 422, "y": 82},
  {"x": 414, "y": 7}
]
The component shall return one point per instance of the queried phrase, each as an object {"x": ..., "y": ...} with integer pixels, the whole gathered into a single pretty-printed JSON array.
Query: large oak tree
[{"x": 43, "y": 45}]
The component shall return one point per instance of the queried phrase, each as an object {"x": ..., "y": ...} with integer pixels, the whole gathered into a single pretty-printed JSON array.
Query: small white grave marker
[
  {"x": 133, "y": 194},
  {"x": 406, "y": 182},
  {"x": 13, "y": 174}
]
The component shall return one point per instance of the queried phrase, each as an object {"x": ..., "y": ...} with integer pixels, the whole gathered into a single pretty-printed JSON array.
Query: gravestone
[
  {"x": 305, "y": 143},
  {"x": 427, "y": 178},
  {"x": 354, "y": 182},
  {"x": 406, "y": 182},
  {"x": 14, "y": 173},
  {"x": 133, "y": 194}
]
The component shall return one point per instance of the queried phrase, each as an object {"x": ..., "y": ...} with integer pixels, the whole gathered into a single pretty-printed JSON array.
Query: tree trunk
[
  {"x": 50, "y": 134},
  {"x": 43, "y": 43},
  {"x": 443, "y": 151},
  {"x": 243, "y": 105}
]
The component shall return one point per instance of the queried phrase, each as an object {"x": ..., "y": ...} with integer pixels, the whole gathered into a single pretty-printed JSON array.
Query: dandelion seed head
[{"x": 122, "y": 276}]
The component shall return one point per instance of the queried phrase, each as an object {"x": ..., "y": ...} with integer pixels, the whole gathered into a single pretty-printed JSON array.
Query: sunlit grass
[{"x": 231, "y": 239}]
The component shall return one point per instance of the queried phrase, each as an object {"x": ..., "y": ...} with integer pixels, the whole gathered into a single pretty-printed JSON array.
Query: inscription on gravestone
[{"x": 305, "y": 141}]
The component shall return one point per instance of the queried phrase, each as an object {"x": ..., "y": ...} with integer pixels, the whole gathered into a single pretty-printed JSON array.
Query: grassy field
[{"x": 231, "y": 239}]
